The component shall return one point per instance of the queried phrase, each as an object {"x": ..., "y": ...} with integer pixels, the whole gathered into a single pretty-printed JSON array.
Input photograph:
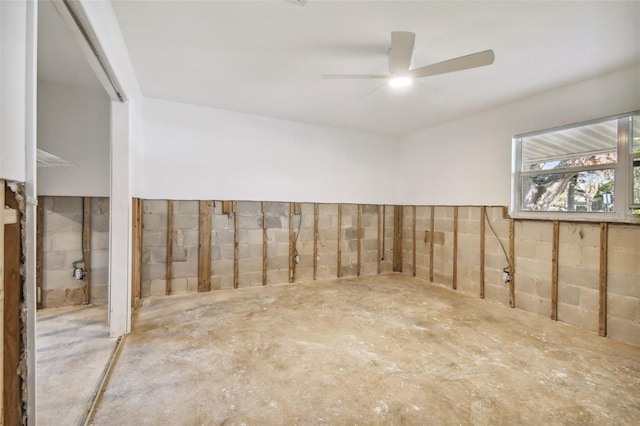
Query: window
[{"x": 588, "y": 171}]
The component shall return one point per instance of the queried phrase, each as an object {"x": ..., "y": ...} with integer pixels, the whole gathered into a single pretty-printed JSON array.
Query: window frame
[{"x": 623, "y": 172}]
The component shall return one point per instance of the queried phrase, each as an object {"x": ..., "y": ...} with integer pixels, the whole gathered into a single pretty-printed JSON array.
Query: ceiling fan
[{"x": 400, "y": 71}]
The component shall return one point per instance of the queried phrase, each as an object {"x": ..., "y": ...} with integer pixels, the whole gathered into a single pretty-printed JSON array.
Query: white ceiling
[
  {"x": 60, "y": 59},
  {"x": 267, "y": 57}
]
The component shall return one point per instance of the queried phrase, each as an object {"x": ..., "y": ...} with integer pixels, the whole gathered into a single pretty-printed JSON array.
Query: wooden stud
[
  {"x": 512, "y": 262},
  {"x": 136, "y": 243},
  {"x": 39, "y": 251},
  {"x": 227, "y": 207},
  {"x": 602, "y": 312},
  {"x": 204, "y": 245},
  {"x": 11, "y": 324},
  {"x": 169, "y": 261},
  {"x": 432, "y": 227},
  {"x": 316, "y": 219},
  {"x": 483, "y": 211},
  {"x": 292, "y": 244},
  {"x": 554, "y": 270},
  {"x": 86, "y": 249},
  {"x": 379, "y": 240},
  {"x": 339, "y": 264},
  {"x": 413, "y": 262},
  {"x": 455, "y": 249},
  {"x": 397, "y": 238},
  {"x": 236, "y": 246},
  {"x": 359, "y": 243},
  {"x": 2, "y": 286},
  {"x": 264, "y": 243}
]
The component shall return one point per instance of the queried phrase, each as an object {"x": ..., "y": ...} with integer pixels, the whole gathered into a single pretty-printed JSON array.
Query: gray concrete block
[
  {"x": 185, "y": 270},
  {"x": 249, "y": 208},
  {"x": 184, "y": 207},
  {"x": 153, "y": 207}
]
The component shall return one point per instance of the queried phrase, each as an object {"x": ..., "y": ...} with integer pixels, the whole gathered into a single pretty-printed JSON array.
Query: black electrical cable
[
  {"x": 295, "y": 244},
  {"x": 506, "y": 256}
]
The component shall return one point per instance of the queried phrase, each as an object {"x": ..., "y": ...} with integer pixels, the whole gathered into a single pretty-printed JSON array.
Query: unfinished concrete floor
[
  {"x": 375, "y": 350},
  {"x": 73, "y": 347}
]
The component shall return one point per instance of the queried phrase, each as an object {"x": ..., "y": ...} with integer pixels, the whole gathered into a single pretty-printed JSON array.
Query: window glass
[
  {"x": 575, "y": 147},
  {"x": 584, "y": 191},
  {"x": 636, "y": 181},
  {"x": 635, "y": 134}
]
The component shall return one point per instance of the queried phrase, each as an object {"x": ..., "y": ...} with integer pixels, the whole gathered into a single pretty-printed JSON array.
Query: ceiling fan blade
[
  {"x": 353, "y": 76},
  {"x": 474, "y": 60},
  {"x": 401, "y": 51}
]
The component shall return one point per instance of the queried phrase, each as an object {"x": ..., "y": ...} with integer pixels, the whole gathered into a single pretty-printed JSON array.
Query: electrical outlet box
[
  {"x": 506, "y": 277},
  {"x": 296, "y": 258}
]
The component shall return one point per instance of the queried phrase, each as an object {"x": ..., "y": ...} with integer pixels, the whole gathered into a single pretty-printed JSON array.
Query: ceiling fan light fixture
[{"x": 400, "y": 81}]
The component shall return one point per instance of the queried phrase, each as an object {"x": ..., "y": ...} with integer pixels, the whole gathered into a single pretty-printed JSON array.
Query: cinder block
[
  {"x": 154, "y": 238},
  {"x": 623, "y": 307},
  {"x": 99, "y": 240},
  {"x": 158, "y": 288},
  {"x": 151, "y": 207},
  {"x": 99, "y": 276},
  {"x": 53, "y": 260},
  {"x": 185, "y": 222},
  {"x": 623, "y": 284},
  {"x": 65, "y": 241},
  {"x": 625, "y": 260},
  {"x": 568, "y": 294},
  {"x": 155, "y": 222},
  {"x": 179, "y": 285},
  {"x": 187, "y": 208},
  {"x": 579, "y": 234},
  {"x": 146, "y": 289},
  {"x": 179, "y": 254},
  {"x": 579, "y": 317},
  {"x": 184, "y": 270},
  {"x": 192, "y": 284},
  {"x": 623, "y": 236},
  {"x": 623, "y": 330},
  {"x": 99, "y": 294},
  {"x": 250, "y": 222}
]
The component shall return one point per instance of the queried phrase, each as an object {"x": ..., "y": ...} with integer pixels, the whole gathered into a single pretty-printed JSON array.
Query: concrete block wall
[
  {"x": 578, "y": 274},
  {"x": 468, "y": 250},
  {"x": 369, "y": 240},
  {"x": 250, "y": 243},
  {"x": 386, "y": 264},
  {"x": 623, "y": 283},
  {"x": 533, "y": 249},
  {"x": 443, "y": 248},
  {"x": 327, "y": 241},
  {"x": 407, "y": 240},
  {"x": 222, "y": 250},
  {"x": 423, "y": 227},
  {"x": 154, "y": 238},
  {"x": 99, "y": 291},
  {"x": 495, "y": 257},
  {"x": 62, "y": 245},
  {"x": 578, "y": 262},
  {"x": 277, "y": 216}
]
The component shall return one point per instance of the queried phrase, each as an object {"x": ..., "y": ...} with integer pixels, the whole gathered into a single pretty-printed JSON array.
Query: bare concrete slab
[
  {"x": 375, "y": 350},
  {"x": 73, "y": 346}
]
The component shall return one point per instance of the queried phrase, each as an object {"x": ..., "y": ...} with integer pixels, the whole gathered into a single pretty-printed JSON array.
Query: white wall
[
  {"x": 193, "y": 152},
  {"x": 468, "y": 161},
  {"x": 13, "y": 61},
  {"x": 73, "y": 123}
]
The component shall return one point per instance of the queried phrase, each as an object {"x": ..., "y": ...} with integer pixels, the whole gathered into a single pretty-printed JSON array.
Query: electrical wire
[
  {"x": 506, "y": 256},
  {"x": 295, "y": 243}
]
